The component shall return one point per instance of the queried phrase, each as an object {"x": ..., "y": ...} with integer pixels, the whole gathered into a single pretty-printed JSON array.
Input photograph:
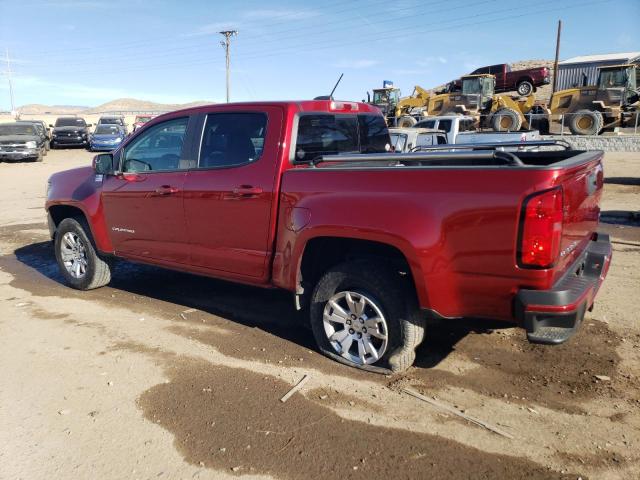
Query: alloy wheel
[
  {"x": 74, "y": 256},
  {"x": 356, "y": 327}
]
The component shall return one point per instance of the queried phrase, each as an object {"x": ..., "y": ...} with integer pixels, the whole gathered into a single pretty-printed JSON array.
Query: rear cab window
[{"x": 321, "y": 134}]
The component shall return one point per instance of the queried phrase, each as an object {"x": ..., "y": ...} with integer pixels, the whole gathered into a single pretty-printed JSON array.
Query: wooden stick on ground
[
  {"x": 297, "y": 387},
  {"x": 456, "y": 412}
]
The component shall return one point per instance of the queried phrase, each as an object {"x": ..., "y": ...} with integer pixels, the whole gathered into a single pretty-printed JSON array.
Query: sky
[{"x": 87, "y": 52}]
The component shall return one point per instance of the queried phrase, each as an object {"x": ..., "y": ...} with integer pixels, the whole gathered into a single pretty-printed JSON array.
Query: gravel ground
[{"x": 169, "y": 375}]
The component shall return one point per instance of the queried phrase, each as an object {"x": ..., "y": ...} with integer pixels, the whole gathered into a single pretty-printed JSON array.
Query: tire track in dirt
[{"x": 301, "y": 439}]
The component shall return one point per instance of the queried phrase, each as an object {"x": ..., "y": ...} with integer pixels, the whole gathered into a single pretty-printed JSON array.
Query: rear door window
[{"x": 232, "y": 139}]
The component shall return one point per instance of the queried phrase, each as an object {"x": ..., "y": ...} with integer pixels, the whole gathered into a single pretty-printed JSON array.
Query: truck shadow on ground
[
  {"x": 634, "y": 181},
  {"x": 231, "y": 306}
]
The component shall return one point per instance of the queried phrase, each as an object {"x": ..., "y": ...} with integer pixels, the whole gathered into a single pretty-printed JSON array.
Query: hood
[
  {"x": 19, "y": 138},
  {"x": 69, "y": 129},
  {"x": 105, "y": 137}
]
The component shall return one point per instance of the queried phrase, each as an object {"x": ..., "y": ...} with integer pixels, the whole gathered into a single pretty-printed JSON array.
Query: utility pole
[
  {"x": 555, "y": 64},
  {"x": 8, "y": 73},
  {"x": 226, "y": 44}
]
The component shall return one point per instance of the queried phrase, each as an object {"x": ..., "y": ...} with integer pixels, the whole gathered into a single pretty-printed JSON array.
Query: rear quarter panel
[{"x": 457, "y": 228}]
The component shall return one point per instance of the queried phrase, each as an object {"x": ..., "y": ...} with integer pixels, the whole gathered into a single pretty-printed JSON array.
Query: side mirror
[{"x": 103, "y": 163}]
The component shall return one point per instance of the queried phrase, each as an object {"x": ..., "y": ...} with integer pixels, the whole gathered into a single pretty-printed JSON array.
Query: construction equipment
[
  {"x": 500, "y": 112},
  {"x": 385, "y": 98},
  {"x": 612, "y": 102},
  {"x": 409, "y": 109}
]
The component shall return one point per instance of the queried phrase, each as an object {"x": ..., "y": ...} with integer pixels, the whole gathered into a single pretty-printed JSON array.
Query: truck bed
[{"x": 456, "y": 216}]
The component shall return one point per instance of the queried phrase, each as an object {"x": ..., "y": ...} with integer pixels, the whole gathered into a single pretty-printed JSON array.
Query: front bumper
[
  {"x": 71, "y": 141},
  {"x": 546, "y": 80},
  {"x": 103, "y": 146},
  {"x": 30, "y": 154},
  {"x": 552, "y": 316}
]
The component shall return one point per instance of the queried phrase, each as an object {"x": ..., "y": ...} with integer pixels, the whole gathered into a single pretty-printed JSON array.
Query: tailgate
[{"x": 582, "y": 189}]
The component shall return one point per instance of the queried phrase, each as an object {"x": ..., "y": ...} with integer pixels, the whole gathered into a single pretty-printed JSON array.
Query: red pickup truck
[
  {"x": 303, "y": 196},
  {"x": 522, "y": 81}
]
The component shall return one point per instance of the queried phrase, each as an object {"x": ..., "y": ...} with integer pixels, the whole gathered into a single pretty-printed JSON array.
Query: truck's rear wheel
[
  {"x": 586, "y": 122},
  {"x": 407, "y": 121},
  {"x": 364, "y": 316},
  {"x": 524, "y": 88},
  {"x": 79, "y": 262},
  {"x": 506, "y": 120}
]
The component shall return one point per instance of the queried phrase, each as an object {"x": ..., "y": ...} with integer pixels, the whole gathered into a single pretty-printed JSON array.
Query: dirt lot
[{"x": 165, "y": 375}]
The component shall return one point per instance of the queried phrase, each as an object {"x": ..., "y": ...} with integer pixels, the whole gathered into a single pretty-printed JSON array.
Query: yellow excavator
[
  {"x": 612, "y": 102},
  {"x": 500, "y": 112}
]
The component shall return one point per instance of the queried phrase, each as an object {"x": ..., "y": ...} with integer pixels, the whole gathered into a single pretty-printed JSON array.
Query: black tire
[
  {"x": 406, "y": 121},
  {"x": 586, "y": 122},
  {"x": 506, "y": 120},
  {"x": 392, "y": 293},
  {"x": 524, "y": 88},
  {"x": 98, "y": 268}
]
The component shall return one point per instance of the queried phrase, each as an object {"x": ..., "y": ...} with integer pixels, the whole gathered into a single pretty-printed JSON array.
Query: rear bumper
[{"x": 552, "y": 316}]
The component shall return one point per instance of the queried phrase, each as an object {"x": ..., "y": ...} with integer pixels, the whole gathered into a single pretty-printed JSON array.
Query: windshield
[
  {"x": 110, "y": 121},
  {"x": 613, "y": 78},
  {"x": 70, "y": 122},
  {"x": 398, "y": 141},
  {"x": 385, "y": 96},
  {"x": 471, "y": 86},
  {"x": 17, "y": 129},
  {"x": 107, "y": 130}
]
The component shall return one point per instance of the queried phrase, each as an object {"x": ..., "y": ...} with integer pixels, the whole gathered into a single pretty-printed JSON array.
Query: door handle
[
  {"x": 166, "y": 190},
  {"x": 247, "y": 191}
]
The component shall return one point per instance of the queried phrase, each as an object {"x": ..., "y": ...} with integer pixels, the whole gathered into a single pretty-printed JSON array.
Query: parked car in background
[
  {"x": 304, "y": 196},
  {"x": 42, "y": 130},
  {"x": 451, "y": 125},
  {"x": 70, "y": 132},
  {"x": 140, "y": 120},
  {"x": 411, "y": 138},
  {"x": 522, "y": 81},
  {"x": 113, "y": 120},
  {"x": 21, "y": 141},
  {"x": 106, "y": 137}
]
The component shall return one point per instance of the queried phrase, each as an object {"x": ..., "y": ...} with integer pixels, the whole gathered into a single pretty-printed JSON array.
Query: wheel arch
[
  {"x": 320, "y": 253},
  {"x": 59, "y": 211}
]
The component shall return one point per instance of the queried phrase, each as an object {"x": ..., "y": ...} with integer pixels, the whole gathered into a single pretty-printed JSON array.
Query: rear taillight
[{"x": 541, "y": 229}]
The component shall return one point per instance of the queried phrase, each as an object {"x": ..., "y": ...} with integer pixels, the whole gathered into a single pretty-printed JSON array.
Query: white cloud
[
  {"x": 363, "y": 63},
  {"x": 25, "y": 86},
  {"x": 212, "y": 28}
]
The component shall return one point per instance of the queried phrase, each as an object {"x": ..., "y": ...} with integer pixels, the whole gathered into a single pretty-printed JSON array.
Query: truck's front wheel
[
  {"x": 365, "y": 316},
  {"x": 80, "y": 264}
]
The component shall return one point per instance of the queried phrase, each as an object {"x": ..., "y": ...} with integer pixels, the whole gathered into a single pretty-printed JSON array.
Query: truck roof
[{"x": 340, "y": 106}]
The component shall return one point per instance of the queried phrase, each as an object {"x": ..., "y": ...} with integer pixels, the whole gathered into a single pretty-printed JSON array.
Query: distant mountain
[
  {"x": 38, "y": 109},
  {"x": 135, "y": 105},
  {"x": 118, "y": 105}
]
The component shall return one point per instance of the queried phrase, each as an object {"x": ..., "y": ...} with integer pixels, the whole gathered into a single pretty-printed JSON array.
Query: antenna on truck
[{"x": 330, "y": 96}]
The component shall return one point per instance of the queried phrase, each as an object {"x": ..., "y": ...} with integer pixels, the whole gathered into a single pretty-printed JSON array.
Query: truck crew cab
[{"x": 303, "y": 196}]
